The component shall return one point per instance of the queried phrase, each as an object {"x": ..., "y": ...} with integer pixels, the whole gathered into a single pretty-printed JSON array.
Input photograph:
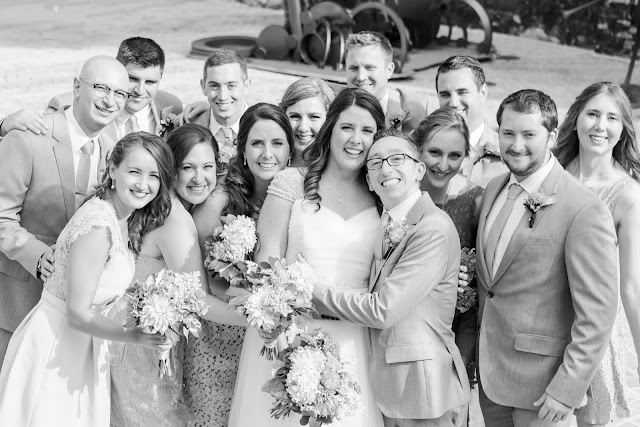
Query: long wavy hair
[
  {"x": 444, "y": 118},
  {"x": 625, "y": 152},
  {"x": 239, "y": 183},
  {"x": 318, "y": 153},
  {"x": 153, "y": 215}
]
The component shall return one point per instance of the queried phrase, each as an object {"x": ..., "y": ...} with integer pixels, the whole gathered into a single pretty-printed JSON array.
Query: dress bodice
[
  {"x": 461, "y": 210},
  {"x": 610, "y": 194},
  {"x": 339, "y": 251},
  {"x": 119, "y": 269},
  {"x": 146, "y": 266}
]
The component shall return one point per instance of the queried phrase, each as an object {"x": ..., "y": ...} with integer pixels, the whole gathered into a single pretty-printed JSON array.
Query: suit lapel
[
  {"x": 64, "y": 159},
  {"x": 489, "y": 199},
  {"x": 156, "y": 118},
  {"x": 523, "y": 231}
]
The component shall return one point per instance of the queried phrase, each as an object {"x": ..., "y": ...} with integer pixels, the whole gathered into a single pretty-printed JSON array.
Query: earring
[
  {"x": 245, "y": 161},
  {"x": 113, "y": 184},
  {"x": 289, "y": 162}
]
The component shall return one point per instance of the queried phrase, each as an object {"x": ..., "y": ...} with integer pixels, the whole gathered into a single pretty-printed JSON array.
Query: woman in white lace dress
[
  {"x": 330, "y": 217},
  {"x": 56, "y": 372}
]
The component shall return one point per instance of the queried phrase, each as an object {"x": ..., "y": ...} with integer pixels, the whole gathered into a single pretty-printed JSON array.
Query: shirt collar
[
  {"x": 214, "y": 126},
  {"x": 143, "y": 115},
  {"x": 401, "y": 211},
  {"x": 533, "y": 183},
  {"x": 384, "y": 102},
  {"x": 474, "y": 136},
  {"x": 77, "y": 135}
]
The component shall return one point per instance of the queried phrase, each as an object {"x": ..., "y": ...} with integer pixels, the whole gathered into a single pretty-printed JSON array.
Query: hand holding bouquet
[
  {"x": 167, "y": 303},
  {"x": 310, "y": 378},
  {"x": 232, "y": 244},
  {"x": 468, "y": 298},
  {"x": 273, "y": 296}
]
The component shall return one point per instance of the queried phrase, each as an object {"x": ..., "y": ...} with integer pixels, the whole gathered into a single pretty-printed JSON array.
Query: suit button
[{"x": 489, "y": 294}]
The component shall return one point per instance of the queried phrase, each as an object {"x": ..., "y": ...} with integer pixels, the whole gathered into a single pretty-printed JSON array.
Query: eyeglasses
[
  {"x": 392, "y": 160},
  {"x": 103, "y": 91}
]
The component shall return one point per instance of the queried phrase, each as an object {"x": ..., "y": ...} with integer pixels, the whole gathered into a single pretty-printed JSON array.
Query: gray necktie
[
  {"x": 84, "y": 170},
  {"x": 498, "y": 225},
  {"x": 131, "y": 125}
]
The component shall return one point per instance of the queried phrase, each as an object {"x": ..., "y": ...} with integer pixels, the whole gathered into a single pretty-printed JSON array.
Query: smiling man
[
  {"x": 44, "y": 178},
  {"x": 147, "y": 106},
  {"x": 369, "y": 65},
  {"x": 460, "y": 83},
  {"x": 416, "y": 369}
]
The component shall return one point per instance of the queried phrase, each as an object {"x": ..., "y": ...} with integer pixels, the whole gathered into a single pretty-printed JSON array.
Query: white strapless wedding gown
[{"x": 340, "y": 252}]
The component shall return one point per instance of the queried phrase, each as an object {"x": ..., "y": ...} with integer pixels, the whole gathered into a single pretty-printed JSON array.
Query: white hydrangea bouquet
[
  {"x": 167, "y": 303},
  {"x": 274, "y": 296},
  {"x": 311, "y": 378},
  {"x": 232, "y": 245}
]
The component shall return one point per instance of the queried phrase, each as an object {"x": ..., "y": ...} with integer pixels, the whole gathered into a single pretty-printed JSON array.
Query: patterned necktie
[
  {"x": 131, "y": 125},
  {"x": 84, "y": 169},
  {"x": 498, "y": 225}
]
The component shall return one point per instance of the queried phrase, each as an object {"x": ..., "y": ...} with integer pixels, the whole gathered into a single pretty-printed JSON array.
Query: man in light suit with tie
[
  {"x": 45, "y": 177},
  {"x": 147, "y": 107},
  {"x": 547, "y": 274},
  {"x": 417, "y": 373}
]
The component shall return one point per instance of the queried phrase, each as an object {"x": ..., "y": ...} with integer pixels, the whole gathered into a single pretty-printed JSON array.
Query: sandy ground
[{"x": 43, "y": 45}]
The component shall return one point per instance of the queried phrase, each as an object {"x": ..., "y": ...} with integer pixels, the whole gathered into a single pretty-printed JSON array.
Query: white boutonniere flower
[
  {"x": 394, "y": 232},
  {"x": 535, "y": 201},
  {"x": 168, "y": 120},
  {"x": 488, "y": 149}
]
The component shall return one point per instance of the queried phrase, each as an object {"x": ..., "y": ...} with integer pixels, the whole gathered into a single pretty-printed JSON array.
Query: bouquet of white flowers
[
  {"x": 468, "y": 298},
  {"x": 233, "y": 243},
  {"x": 274, "y": 295},
  {"x": 168, "y": 303},
  {"x": 311, "y": 378}
]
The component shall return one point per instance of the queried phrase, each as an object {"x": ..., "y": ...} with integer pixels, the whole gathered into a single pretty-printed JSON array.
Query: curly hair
[
  {"x": 318, "y": 153},
  {"x": 239, "y": 183},
  {"x": 153, "y": 215},
  {"x": 625, "y": 152},
  {"x": 444, "y": 118}
]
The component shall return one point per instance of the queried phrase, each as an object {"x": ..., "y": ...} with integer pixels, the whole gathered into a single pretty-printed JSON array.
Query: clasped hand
[{"x": 552, "y": 410}]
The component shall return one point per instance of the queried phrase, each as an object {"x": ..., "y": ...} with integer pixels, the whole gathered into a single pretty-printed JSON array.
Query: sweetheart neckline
[{"x": 350, "y": 218}]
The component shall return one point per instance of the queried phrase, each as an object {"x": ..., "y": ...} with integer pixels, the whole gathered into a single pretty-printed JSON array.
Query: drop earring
[
  {"x": 289, "y": 162},
  {"x": 245, "y": 161},
  {"x": 113, "y": 184}
]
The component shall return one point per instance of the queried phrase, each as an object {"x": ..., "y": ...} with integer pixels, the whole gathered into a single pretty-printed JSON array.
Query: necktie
[
  {"x": 131, "y": 125},
  {"x": 84, "y": 169},
  {"x": 498, "y": 225},
  {"x": 225, "y": 136}
]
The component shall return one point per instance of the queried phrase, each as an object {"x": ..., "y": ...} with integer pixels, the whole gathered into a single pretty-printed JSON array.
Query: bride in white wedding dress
[{"x": 332, "y": 223}]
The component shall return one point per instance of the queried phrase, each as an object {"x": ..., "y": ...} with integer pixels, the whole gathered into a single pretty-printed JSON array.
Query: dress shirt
[
  {"x": 530, "y": 185},
  {"x": 474, "y": 141},
  {"x": 214, "y": 126},
  {"x": 384, "y": 102},
  {"x": 400, "y": 211},
  {"x": 145, "y": 119},
  {"x": 78, "y": 139}
]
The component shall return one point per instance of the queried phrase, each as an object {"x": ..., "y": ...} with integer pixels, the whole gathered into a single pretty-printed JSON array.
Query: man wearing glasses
[
  {"x": 418, "y": 375},
  {"x": 45, "y": 177}
]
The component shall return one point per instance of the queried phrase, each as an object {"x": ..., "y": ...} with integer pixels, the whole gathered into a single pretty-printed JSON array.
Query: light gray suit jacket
[
  {"x": 546, "y": 317},
  {"x": 416, "y": 368},
  {"x": 37, "y": 199}
]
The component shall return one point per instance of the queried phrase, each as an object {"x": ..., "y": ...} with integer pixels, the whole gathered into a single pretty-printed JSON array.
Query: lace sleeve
[
  {"x": 288, "y": 185},
  {"x": 93, "y": 214}
]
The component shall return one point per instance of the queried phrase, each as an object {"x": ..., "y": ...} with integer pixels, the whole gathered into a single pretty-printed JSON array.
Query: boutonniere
[
  {"x": 535, "y": 201},
  {"x": 488, "y": 149},
  {"x": 168, "y": 120},
  {"x": 394, "y": 232}
]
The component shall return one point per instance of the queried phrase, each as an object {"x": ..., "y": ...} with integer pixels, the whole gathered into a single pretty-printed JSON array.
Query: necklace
[
  {"x": 344, "y": 189},
  {"x": 583, "y": 179}
]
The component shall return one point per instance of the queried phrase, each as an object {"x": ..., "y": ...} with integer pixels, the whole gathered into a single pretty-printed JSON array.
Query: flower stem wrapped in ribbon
[
  {"x": 273, "y": 296},
  {"x": 233, "y": 243},
  {"x": 311, "y": 378},
  {"x": 167, "y": 303},
  {"x": 534, "y": 202}
]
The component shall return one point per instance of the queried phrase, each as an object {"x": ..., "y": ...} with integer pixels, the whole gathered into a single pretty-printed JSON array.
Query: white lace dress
[
  {"x": 340, "y": 253},
  {"x": 53, "y": 375}
]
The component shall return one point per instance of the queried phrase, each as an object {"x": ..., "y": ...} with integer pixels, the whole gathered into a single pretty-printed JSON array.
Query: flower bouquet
[
  {"x": 468, "y": 298},
  {"x": 310, "y": 378},
  {"x": 167, "y": 303},
  {"x": 233, "y": 243},
  {"x": 274, "y": 296}
]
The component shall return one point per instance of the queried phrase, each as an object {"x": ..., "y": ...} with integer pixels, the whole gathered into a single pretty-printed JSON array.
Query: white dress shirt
[
  {"x": 214, "y": 126},
  {"x": 144, "y": 118},
  {"x": 474, "y": 141},
  {"x": 530, "y": 185},
  {"x": 400, "y": 211},
  {"x": 384, "y": 102},
  {"x": 78, "y": 139}
]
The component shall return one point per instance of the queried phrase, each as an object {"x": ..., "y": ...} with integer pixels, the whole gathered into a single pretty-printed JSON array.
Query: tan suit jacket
[
  {"x": 416, "y": 368},
  {"x": 486, "y": 163},
  {"x": 546, "y": 317},
  {"x": 161, "y": 101},
  {"x": 37, "y": 199}
]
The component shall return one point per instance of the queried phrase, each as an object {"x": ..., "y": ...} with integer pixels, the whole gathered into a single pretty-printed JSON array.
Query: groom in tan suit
[
  {"x": 547, "y": 280},
  {"x": 417, "y": 373},
  {"x": 42, "y": 179}
]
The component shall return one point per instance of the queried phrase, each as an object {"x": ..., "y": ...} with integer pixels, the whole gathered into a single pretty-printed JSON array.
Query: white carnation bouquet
[
  {"x": 311, "y": 378},
  {"x": 274, "y": 296},
  {"x": 232, "y": 245},
  {"x": 167, "y": 303}
]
